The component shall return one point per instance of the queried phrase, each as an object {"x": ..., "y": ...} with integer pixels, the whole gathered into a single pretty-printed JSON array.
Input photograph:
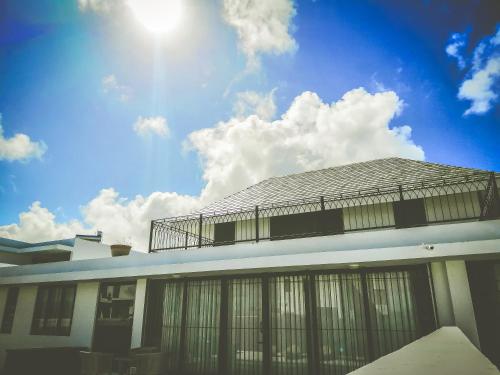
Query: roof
[{"x": 346, "y": 178}]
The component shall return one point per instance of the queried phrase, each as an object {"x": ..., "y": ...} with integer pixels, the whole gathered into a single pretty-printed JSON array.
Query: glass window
[
  {"x": 224, "y": 233},
  {"x": 116, "y": 304},
  {"x": 288, "y": 325},
  {"x": 315, "y": 223},
  {"x": 171, "y": 327},
  {"x": 409, "y": 213},
  {"x": 343, "y": 341},
  {"x": 245, "y": 328},
  {"x": 393, "y": 310},
  {"x": 202, "y": 327},
  {"x": 54, "y": 310},
  {"x": 9, "y": 310}
]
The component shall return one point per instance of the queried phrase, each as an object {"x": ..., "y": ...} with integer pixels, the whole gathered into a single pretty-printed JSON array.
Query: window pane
[
  {"x": 40, "y": 310},
  {"x": 224, "y": 233},
  {"x": 245, "y": 327},
  {"x": 392, "y": 310},
  {"x": 202, "y": 327},
  {"x": 288, "y": 325},
  {"x": 172, "y": 318},
  {"x": 68, "y": 301},
  {"x": 9, "y": 310},
  {"x": 409, "y": 213},
  {"x": 343, "y": 342}
]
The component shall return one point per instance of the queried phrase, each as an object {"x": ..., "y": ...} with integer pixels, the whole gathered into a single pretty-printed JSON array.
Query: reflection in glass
[
  {"x": 392, "y": 310},
  {"x": 245, "y": 327},
  {"x": 288, "y": 325},
  {"x": 202, "y": 327},
  {"x": 342, "y": 331},
  {"x": 171, "y": 329}
]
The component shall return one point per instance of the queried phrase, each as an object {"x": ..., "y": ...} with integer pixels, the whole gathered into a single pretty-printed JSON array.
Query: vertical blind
[{"x": 295, "y": 324}]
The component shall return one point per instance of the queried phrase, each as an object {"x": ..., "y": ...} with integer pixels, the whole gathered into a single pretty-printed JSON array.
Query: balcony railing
[{"x": 460, "y": 198}]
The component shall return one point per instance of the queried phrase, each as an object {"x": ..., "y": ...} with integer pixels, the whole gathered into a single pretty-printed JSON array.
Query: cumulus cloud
[
  {"x": 119, "y": 219},
  {"x": 251, "y": 102},
  {"x": 99, "y": 6},
  {"x": 262, "y": 26},
  {"x": 310, "y": 134},
  {"x": 38, "y": 224},
  {"x": 455, "y": 46},
  {"x": 482, "y": 80},
  {"x": 20, "y": 147},
  {"x": 110, "y": 85},
  {"x": 241, "y": 151},
  {"x": 152, "y": 125}
]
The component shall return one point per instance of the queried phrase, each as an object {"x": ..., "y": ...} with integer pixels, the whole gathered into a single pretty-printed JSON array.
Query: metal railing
[{"x": 460, "y": 198}]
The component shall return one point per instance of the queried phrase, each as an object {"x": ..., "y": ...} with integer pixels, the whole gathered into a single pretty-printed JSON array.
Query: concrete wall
[
  {"x": 139, "y": 304},
  {"x": 82, "y": 326},
  {"x": 453, "y": 297}
]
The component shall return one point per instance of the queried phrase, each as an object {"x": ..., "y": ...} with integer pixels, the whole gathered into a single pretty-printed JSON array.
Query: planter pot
[{"x": 120, "y": 250}]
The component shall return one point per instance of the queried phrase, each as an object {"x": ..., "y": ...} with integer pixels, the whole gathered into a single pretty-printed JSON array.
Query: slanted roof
[{"x": 346, "y": 178}]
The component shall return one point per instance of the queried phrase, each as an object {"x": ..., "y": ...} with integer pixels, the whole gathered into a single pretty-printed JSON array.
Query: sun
[{"x": 158, "y": 16}]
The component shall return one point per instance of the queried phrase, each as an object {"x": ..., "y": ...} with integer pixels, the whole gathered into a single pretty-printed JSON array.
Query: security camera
[{"x": 428, "y": 247}]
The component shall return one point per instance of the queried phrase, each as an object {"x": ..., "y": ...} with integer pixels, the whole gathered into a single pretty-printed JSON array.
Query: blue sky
[{"x": 81, "y": 79}]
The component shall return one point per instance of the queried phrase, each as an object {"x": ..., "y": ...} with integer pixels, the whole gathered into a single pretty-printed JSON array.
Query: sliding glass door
[
  {"x": 245, "y": 330},
  {"x": 288, "y": 325},
  {"x": 327, "y": 323},
  {"x": 342, "y": 337}
]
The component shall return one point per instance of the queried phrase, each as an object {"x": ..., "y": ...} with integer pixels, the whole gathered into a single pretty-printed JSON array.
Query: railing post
[
  {"x": 256, "y": 223},
  {"x": 150, "y": 236},
  {"x": 322, "y": 202},
  {"x": 400, "y": 188},
  {"x": 200, "y": 229}
]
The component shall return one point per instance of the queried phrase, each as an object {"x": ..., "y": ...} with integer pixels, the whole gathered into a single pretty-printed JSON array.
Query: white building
[{"x": 315, "y": 273}]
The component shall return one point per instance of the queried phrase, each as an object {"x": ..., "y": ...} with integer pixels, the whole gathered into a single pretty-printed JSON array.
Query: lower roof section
[{"x": 469, "y": 240}]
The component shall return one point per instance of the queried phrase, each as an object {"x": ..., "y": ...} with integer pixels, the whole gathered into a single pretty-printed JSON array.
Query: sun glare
[{"x": 158, "y": 16}]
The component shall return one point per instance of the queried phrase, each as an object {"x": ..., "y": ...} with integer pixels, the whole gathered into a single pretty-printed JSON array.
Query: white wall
[
  {"x": 442, "y": 296},
  {"x": 84, "y": 249},
  {"x": 461, "y": 299},
  {"x": 82, "y": 326},
  {"x": 139, "y": 304}
]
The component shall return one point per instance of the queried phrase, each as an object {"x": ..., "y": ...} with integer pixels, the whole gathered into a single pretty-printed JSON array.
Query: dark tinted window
[
  {"x": 10, "y": 310},
  {"x": 409, "y": 213},
  {"x": 224, "y": 233},
  {"x": 54, "y": 310},
  {"x": 307, "y": 224}
]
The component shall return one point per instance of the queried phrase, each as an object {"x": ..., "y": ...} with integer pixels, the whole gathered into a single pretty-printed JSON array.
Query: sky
[{"x": 117, "y": 112}]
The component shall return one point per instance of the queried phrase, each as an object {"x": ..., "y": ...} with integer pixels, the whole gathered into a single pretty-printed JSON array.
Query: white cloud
[
  {"x": 455, "y": 46},
  {"x": 479, "y": 88},
  {"x": 241, "y": 151},
  {"x": 309, "y": 135},
  {"x": 38, "y": 224},
  {"x": 99, "y": 6},
  {"x": 20, "y": 147},
  {"x": 262, "y": 26},
  {"x": 251, "y": 102},
  {"x": 152, "y": 125},
  {"x": 483, "y": 76},
  {"x": 110, "y": 85}
]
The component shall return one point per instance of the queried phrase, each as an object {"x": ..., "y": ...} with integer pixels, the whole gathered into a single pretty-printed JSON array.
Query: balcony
[{"x": 465, "y": 197}]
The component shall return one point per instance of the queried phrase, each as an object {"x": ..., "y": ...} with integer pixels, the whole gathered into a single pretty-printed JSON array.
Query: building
[{"x": 314, "y": 273}]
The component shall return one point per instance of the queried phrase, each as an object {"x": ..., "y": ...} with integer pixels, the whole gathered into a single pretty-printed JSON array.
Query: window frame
[
  {"x": 228, "y": 227},
  {"x": 401, "y": 213},
  {"x": 40, "y": 313},
  {"x": 323, "y": 223},
  {"x": 6, "y": 326}
]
